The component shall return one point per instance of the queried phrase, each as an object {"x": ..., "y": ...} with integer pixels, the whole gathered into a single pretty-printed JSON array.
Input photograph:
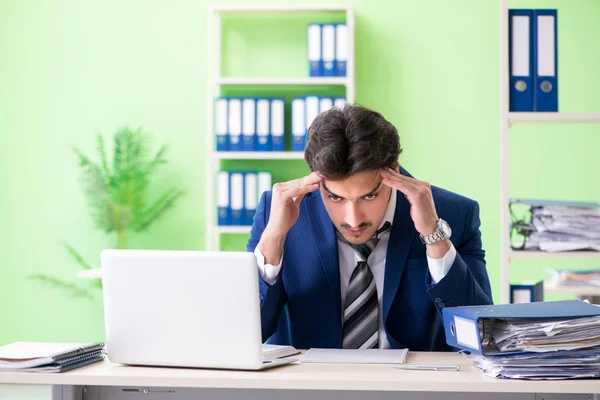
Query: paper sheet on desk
[{"x": 355, "y": 356}]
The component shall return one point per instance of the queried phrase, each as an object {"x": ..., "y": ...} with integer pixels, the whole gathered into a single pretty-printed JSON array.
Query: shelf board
[
  {"x": 234, "y": 229},
  {"x": 258, "y": 155},
  {"x": 280, "y": 8},
  {"x": 576, "y": 290},
  {"x": 325, "y": 81},
  {"x": 544, "y": 117},
  {"x": 513, "y": 254}
]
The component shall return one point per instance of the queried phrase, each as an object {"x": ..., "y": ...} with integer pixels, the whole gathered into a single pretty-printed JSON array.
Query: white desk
[{"x": 315, "y": 381}]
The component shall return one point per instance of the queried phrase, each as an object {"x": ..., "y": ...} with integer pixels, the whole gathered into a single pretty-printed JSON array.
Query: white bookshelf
[
  {"x": 309, "y": 81},
  {"x": 508, "y": 119},
  {"x": 581, "y": 291},
  {"x": 258, "y": 155},
  {"x": 217, "y": 83},
  {"x": 514, "y": 254},
  {"x": 544, "y": 117}
]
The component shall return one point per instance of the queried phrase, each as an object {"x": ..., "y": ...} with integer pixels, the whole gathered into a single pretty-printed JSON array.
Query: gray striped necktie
[{"x": 360, "y": 326}]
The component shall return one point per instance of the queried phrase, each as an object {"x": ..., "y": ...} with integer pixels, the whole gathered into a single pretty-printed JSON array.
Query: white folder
[
  {"x": 328, "y": 33},
  {"x": 325, "y": 104},
  {"x": 312, "y": 110},
  {"x": 235, "y": 124},
  {"x": 221, "y": 124},
  {"x": 251, "y": 198},
  {"x": 249, "y": 123},
  {"x": 264, "y": 183},
  {"x": 277, "y": 124},
  {"x": 341, "y": 48},
  {"x": 298, "y": 123},
  {"x": 237, "y": 197},
  {"x": 314, "y": 49},
  {"x": 262, "y": 124},
  {"x": 339, "y": 102},
  {"x": 223, "y": 197}
]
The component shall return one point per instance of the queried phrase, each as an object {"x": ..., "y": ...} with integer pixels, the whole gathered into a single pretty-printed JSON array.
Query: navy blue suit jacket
[{"x": 303, "y": 308}]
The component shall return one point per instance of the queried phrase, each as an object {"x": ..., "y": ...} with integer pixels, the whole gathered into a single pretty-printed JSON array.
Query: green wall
[{"x": 71, "y": 69}]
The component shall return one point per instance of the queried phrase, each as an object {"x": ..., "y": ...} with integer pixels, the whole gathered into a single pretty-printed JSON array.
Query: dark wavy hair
[{"x": 343, "y": 142}]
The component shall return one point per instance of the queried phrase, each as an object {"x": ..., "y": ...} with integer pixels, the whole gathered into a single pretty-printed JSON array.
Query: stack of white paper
[
  {"x": 549, "y": 349},
  {"x": 550, "y": 365},
  {"x": 575, "y": 278},
  {"x": 564, "y": 228}
]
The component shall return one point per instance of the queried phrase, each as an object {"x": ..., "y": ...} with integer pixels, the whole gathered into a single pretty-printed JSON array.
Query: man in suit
[{"x": 359, "y": 254}]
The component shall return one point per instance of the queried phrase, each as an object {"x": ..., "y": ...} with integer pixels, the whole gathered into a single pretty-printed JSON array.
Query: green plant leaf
[
  {"x": 73, "y": 290},
  {"x": 95, "y": 186},
  {"x": 158, "y": 208},
  {"x": 76, "y": 256},
  {"x": 102, "y": 151},
  {"x": 158, "y": 159}
]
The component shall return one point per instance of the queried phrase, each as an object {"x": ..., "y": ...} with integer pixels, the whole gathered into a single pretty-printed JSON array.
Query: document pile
[
  {"x": 575, "y": 278},
  {"x": 48, "y": 357},
  {"x": 555, "y": 226},
  {"x": 543, "y": 340}
]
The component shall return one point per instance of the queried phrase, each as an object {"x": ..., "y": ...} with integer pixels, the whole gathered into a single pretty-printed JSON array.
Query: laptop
[{"x": 183, "y": 309}]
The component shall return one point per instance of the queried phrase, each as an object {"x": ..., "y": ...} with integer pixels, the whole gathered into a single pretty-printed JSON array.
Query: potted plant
[{"x": 118, "y": 197}]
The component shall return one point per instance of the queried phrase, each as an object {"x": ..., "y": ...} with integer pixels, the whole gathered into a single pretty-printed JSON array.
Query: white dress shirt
[{"x": 438, "y": 268}]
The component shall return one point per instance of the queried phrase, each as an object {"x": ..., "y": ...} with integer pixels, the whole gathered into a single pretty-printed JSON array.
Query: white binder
[
  {"x": 325, "y": 104},
  {"x": 277, "y": 125},
  {"x": 251, "y": 197},
  {"x": 223, "y": 198},
  {"x": 262, "y": 125},
  {"x": 298, "y": 124},
  {"x": 315, "y": 62},
  {"x": 312, "y": 110},
  {"x": 235, "y": 124},
  {"x": 264, "y": 183},
  {"x": 328, "y": 32},
  {"x": 249, "y": 124},
  {"x": 341, "y": 49},
  {"x": 339, "y": 102},
  {"x": 237, "y": 198},
  {"x": 221, "y": 124}
]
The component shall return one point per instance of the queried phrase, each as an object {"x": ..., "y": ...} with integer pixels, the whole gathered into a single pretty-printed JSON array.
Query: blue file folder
[
  {"x": 315, "y": 58},
  {"x": 235, "y": 124},
  {"x": 249, "y": 124},
  {"x": 223, "y": 208},
  {"x": 520, "y": 56},
  {"x": 341, "y": 49},
  {"x": 221, "y": 130},
  {"x": 527, "y": 292},
  {"x": 545, "y": 77},
  {"x": 298, "y": 124},
  {"x": 250, "y": 196},
  {"x": 328, "y": 49},
  {"x": 263, "y": 134},
  {"x": 466, "y": 328},
  {"x": 277, "y": 133},
  {"x": 236, "y": 199}
]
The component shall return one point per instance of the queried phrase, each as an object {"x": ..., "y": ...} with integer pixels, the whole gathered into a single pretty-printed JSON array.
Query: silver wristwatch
[{"x": 442, "y": 232}]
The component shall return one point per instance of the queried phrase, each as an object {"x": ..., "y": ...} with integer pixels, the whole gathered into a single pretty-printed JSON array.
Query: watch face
[{"x": 445, "y": 228}]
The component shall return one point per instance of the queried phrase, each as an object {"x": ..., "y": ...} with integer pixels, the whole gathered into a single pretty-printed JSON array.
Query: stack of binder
[
  {"x": 238, "y": 194},
  {"x": 304, "y": 111},
  {"x": 533, "y": 65},
  {"x": 545, "y": 340},
  {"x": 48, "y": 357},
  {"x": 249, "y": 124},
  {"x": 555, "y": 226},
  {"x": 327, "y": 49}
]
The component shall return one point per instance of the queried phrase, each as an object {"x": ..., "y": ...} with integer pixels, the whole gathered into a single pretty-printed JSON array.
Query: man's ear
[{"x": 397, "y": 167}]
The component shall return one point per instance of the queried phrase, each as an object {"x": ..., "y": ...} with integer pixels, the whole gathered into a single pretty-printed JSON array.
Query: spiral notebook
[{"x": 27, "y": 355}]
